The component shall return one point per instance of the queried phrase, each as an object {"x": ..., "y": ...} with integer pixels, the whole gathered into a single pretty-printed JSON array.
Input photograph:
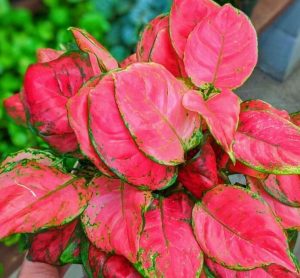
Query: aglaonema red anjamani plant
[{"x": 156, "y": 138}]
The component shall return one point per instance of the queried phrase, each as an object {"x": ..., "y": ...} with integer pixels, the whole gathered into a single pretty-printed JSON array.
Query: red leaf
[
  {"x": 63, "y": 143},
  {"x": 284, "y": 188},
  {"x": 221, "y": 50},
  {"x": 167, "y": 246},
  {"x": 243, "y": 169},
  {"x": 15, "y": 109},
  {"x": 129, "y": 60},
  {"x": 77, "y": 107},
  {"x": 184, "y": 16},
  {"x": 45, "y": 55},
  {"x": 58, "y": 80},
  {"x": 224, "y": 220},
  {"x": 149, "y": 99},
  {"x": 113, "y": 218},
  {"x": 259, "y": 105},
  {"x": 200, "y": 173},
  {"x": 223, "y": 272},
  {"x": 289, "y": 216},
  {"x": 277, "y": 271},
  {"x": 48, "y": 246},
  {"x": 296, "y": 118},
  {"x": 93, "y": 259},
  {"x": 155, "y": 46},
  {"x": 27, "y": 187},
  {"x": 267, "y": 143},
  {"x": 118, "y": 266},
  {"x": 87, "y": 43},
  {"x": 221, "y": 113},
  {"x": 114, "y": 145}
]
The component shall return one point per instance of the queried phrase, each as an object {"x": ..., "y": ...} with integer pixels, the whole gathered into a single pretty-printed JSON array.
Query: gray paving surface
[{"x": 284, "y": 95}]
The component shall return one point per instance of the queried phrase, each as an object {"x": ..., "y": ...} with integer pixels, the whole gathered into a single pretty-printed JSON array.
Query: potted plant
[{"x": 155, "y": 140}]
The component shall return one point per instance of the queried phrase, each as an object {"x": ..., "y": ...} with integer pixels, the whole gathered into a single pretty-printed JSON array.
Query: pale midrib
[{"x": 22, "y": 213}]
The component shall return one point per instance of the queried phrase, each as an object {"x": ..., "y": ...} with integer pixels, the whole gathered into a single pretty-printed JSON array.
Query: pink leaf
[
  {"x": 289, "y": 216},
  {"x": 223, "y": 272},
  {"x": 149, "y": 35},
  {"x": 167, "y": 246},
  {"x": 15, "y": 109},
  {"x": 155, "y": 46},
  {"x": 129, "y": 60},
  {"x": 114, "y": 217},
  {"x": 221, "y": 113},
  {"x": 267, "y": 143},
  {"x": 47, "y": 87},
  {"x": 77, "y": 107},
  {"x": 39, "y": 156},
  {"x": 118, "y": 266},
  {"x": 48, "y": 246},
  {"x": 87, "y": 43},
  {"x": 114, "y": 145},
  {"x": 284, "y": 188},
  {"x": 221, "y": 50},
  {"x": 38, "y": 186},
  {"x": 149, "y": 99},
  {"x": 45, "y": 55},
  {"x": 259, "y": 105},
  {"x": 184, "y": 16},
  {"x": 200, "y": 173},
  {"x": 224, "y": 220}
]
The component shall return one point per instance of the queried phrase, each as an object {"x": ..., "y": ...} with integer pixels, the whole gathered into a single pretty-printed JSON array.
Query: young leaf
[
  {"x": 118, "y": 266},
  {"x": 87, "y": 43},
  {"x": 224, "y": 220},
  {"x": 284, "y": 188},
  {"x": 77, "y": 107},
  {"x": 149, "y": 99},
  {"x": 47, "y": 247},
  {"x": 221, "y": 50},
  {"x": 184, "y": 16},
  {"x": 200, "y": 173},
  {"x": 15, "y": 109},
  {"x": 58, "y": 80},
  {"x": 221, "y": 113},
  {"x": 114, "y": 217},
  {"x": 289, "y": 216},
  {"x": 38, "y": 186},
  {"x": 115, "y": 146},
  {"x": 167, "y": 246},
  {"x": 155, "y": 46},
  {"x": 267, "y": 143},
  {"x": 45, "y": 55}
]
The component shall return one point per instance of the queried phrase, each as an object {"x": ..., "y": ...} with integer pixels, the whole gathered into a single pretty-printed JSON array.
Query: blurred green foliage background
[{"x": 26, "y": 25}]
